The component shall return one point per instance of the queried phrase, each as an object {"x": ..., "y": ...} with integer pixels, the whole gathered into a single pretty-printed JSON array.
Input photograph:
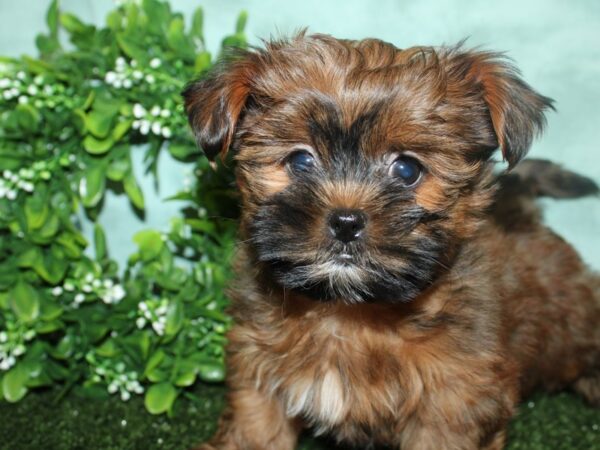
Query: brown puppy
[{"x": 385, "y": 292}]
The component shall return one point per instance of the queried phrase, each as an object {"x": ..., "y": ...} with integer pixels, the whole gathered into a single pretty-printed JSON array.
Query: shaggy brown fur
[{"x": 450, "y": 305}]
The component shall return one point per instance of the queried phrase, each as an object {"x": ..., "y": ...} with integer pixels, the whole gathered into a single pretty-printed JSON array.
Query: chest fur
[{"x": 331, "y": 373}]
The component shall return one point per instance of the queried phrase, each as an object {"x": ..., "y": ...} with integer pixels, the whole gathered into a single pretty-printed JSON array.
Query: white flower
[
  {"x": 166, "y": 132},
  {"x": 96, "y": 283},
  {"x": 48, "y": 90},
  {"x": 143, "y": 306},
  {"x": 150, "y": 78},
  {"x": 21, "y": 75},
  {"x": 29, "y": 335},
  {"x": 23, "y": 99},
  {"x": 133, "y": 63},
  {"x": 118, "y": 83},
  {"x": 118, "y": 292},
  {"x": 28, "y": 187},
  {"x": 144, "y": 126},
  {"x": 158, "y": 328},
  {"x": 86, "y": 288},
  {"x": 7, "y": 94},
  {"x": 108, "y": 283},
  {"x": 161, "y": 310},
  {"x": 3, "y": 191},
  {"x": 39, "y": 80},
  {"x": 110, "y": 77},
  {"x": 127, "y": 83},
  {"x": 57, "y": 290},
  {"x": 11, "y": 195},
  {"x": 4, "y": 364},
  {"x": 155, "y": 111},
  {"x": 155, "y": 63},
  {"x": 89, "y": 278},
  {"x": 125, "y": 395},
  {"x": 112, "y": 388},
  {"x": 4, "y": 83},
  {"x": 3, "y": 336},
  {"x": 135, "y": 125},
  {"x": 138, "y": 111},
  {"x": 114, "y": 294},
  {"x": 7, "y": 174},
  {"x": 32, "y": 90},
  {"x": 156, "y": 128},
  {"x": 137, "y": 75},
  {"x": 165, "y": 113},
  {"x": 120, "y": 63},
  {"x": 19, "y": 350},
  {"x": 79, "y": 298},
  {"x": 140, "y": 322}
]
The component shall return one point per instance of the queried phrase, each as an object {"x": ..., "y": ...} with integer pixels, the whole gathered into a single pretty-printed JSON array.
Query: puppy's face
[{"x": 362, "y": 167}]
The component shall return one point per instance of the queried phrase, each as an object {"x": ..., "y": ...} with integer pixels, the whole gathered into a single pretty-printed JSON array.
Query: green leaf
[
  {"x": 160, "y": 397},
  {"x": 65, "y": 348},
  {"x": 28, "y": 117},
  {"x": 121, "y": 129},
  {"x": 133, "y": 191},
  {"x": 211, "y": 372},
  {"x": 154, "y": 361},
  {"x": 241, "y": 22},
  {"x": 120, "y": 163},
  {"x": 132, "y": 48},
  {"x": 92, "y": 186},
  {"x": 99, "y": 242},
  {"x": 158, "y": 14},
  {"x": 186, "y": 375},
  {"x": 149, "y": 242},
  {"x": 50, "y": 310},
  {"x": 52, "y": 17},
  {"x": 36, "y": 211},
  {"x": 203, "y": 62},
  {"x": 108, "y": 349},
  {"x": 45, "y": 234},
  {"x": 72, "y": 24},
  {"x": 25, "y": 302},
  {"x": 197, "y": 29},
  {"x": 99, "y": 122},
  {"x": 182, "y": 151},
  {"x": 175, "y": 316},
  {"x": 14, "y": 383},
  {"x": 97, "y": 146},
  {"x": 178, "y": 41},
  {"x": 48, "y": 327}
]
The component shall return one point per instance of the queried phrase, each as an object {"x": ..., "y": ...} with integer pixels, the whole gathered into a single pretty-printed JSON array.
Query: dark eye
[
  {"x": 406, "y": 169},
  {"x": 301, "y": 161}
]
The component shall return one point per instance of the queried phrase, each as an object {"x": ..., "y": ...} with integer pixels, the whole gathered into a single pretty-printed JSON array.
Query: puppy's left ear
[
  {"x": 516, "y": 110},
  {"x": 215, "y": 103}
]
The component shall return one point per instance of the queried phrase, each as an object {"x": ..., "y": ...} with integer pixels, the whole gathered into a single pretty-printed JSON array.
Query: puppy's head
[{"x": 362, "y": 167}]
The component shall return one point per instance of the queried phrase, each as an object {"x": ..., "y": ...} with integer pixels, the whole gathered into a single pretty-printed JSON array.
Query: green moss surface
[{"x": 43, "y": 422}]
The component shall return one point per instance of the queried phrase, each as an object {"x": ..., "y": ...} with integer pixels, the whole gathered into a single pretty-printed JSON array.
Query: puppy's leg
[
  {"x": 588, "y": 383},
  {"x": 462, "y": 417},
  {"x": 440, "y": 437},
  {"x": 253, "y": 421}
]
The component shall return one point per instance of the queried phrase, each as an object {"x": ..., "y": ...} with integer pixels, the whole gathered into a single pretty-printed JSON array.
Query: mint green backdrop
[{"x": 556, "y": 44}]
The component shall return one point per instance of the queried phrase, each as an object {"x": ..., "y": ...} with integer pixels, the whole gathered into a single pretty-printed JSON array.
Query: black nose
[{"x": 346, "y": 225}]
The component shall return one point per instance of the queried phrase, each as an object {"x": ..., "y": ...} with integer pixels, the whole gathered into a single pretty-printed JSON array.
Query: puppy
[{"x": 387, "y": 292}]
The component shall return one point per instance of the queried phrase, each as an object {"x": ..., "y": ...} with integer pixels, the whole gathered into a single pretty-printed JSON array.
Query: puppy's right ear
[{"x": 214, "y": 103}]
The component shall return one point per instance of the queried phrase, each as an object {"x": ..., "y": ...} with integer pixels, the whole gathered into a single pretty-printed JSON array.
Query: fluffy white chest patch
[{"x": 320, "y": 400}]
